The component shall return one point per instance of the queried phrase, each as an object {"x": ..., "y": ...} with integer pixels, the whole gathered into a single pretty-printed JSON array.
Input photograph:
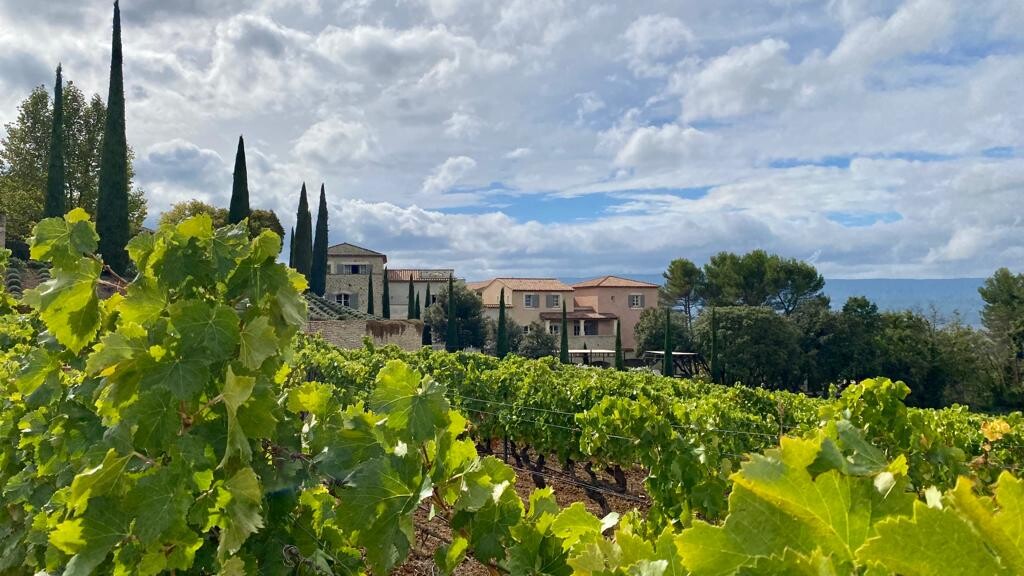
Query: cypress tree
[
  {"x": 303, "y": 250},
  {"x": 239, "y": 207},
  {"x": 714, "y": 346},
  {"x": 291, "y": 248},
  {"x": 411, "y": 312},
  {"x": 112, "y": 204},
  {"x": 620, "y": 362},
  {"x": 419, "y": 313},
  {"x": 369, "y": 296},
  {"x": 318, "y": 267},
  {"x": 563, "y": 352},
  {"x": 55, "y": 195},
  {"x": 427, "y": 340},
  {"x": 502, "y": 344},
  {"x": 385, "y": 300},
  {"x": 426, "y": 299},
  {"x": 667, "y": 366},
  {"x": 452, "y": 332}
]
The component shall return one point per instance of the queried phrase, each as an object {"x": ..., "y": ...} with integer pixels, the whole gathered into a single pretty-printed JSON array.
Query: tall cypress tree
[
  {"x": 55, "y": 194},
  {"x": 303, "y": 250},
  {"x": 291, "y": 248},
  {"x": 112, "y": 204},
  {"x": 411, "y": 312},
  {"x": 418, "y": 313},
  {"x": 239, "y": 207},
  {"x": 714, "y": 346},
  {"x": 427, "y": 339},
  {"x": 502, "y": 337},
  {"x": 385, "y": 300},
  {"x": 318, "y": 267},
  {"x": 452, "y": 332},
  {"x": 426, "y": 299},
  {"x": 563, "y": 352},
  {"x": 667, "y": 364},
  {"x": 620, "y": 362},
  {"x": 369, "y": 296}
]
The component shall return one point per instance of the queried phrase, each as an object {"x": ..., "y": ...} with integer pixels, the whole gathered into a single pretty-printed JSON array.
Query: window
[
  {"x": 343, "y": 299},
  {"x": 526, "y": 329},
  {"x": 355, "y": 269},
  {"x": 575, "y": 328},
  {"x": 555, "y": 329},
  {"x": 554, "y": 300},
  {"x": 636, "y": 300},
  {"x": 531, "y": 300}
]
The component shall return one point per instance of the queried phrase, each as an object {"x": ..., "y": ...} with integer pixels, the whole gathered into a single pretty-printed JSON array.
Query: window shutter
[
  {"x": 642, "y": 304},
  {"x": 353, "y": 300}
]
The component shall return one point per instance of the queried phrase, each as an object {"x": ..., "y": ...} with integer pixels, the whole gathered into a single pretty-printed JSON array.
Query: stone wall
[{"x": 406, "y": 334}]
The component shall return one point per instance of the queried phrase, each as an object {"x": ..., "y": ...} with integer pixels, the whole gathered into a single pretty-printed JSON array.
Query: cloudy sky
[{"x": 574, "y": 138}]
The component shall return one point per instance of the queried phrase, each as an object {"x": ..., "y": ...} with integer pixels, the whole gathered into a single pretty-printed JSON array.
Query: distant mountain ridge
[{"x": 948, "y": 297}]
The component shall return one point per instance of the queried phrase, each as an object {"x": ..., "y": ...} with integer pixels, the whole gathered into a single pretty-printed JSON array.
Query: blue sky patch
[{"x": 862, "y": 219}]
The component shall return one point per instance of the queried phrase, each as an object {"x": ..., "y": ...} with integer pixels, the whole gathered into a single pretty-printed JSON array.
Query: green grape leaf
[
  {"x": 975, "y": 537},
  {"x": 237, "y": 390},
  {"x": 40, "y": 366},
  {"x": 127, "y": 343},
  {"x": 416, "y": 408},
  {"x": 343, "y": 445},
  {"x": 447, "y": 558},
  {"x": 205, "y": 330},
  {"x": 490, "y": 526},
  {"x": 311, "y": 397},
  {"x": 258, "y": 343},
  {"x": 230, "y": 243},
  {"x": 63, "y": 241},
  {"x": 574, "y": 522},
  {"x": 185, "y": 378},
  {"x": 156, "y": 421},
  {"x": 144, "y": 302},
  {"x": 158, "y": 502},
  {"x": 239, "y": 503},
  {"x": 90, "y": 537},
  {"x": 776, "y": 504},
  {"x": 97, "y": 481},
  {"x": 68, "y": 303},
  {"x": 378, "y": 503}
]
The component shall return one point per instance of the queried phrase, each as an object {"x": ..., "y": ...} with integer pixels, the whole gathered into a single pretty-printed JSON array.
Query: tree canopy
[{"x": 468, "y": 328}]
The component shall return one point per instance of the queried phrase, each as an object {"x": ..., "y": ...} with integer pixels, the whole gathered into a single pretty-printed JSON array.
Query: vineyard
[{"x": 183, "y": 425}]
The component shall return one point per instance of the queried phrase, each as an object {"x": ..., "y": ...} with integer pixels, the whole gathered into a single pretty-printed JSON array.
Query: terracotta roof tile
[
  {"x": 613, "y": 282},
  {"x": 419, "y": 274},
  {"x": 538, "y": 284}
]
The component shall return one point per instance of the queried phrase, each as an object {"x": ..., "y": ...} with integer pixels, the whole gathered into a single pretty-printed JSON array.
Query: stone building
[
  {"x": 398, "y": 287},
  {"x": 350, "y": 269},
  {"x": 346, "y": 327}
]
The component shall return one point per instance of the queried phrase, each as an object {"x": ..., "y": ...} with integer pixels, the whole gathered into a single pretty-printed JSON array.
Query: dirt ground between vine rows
[{"x": 432, "y": 534}]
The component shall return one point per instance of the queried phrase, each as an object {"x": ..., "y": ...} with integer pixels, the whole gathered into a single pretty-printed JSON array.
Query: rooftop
[
  {"x": 522, "y": 284},
  {"x": 613, "y": 282},
  {"x": 419, "y": 274},
  {"x": 347, "y": 249},
  {"x": 323, "y": 309}
]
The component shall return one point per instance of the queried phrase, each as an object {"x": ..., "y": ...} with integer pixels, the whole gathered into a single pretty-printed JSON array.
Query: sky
[{"x": 576, "y": 138}]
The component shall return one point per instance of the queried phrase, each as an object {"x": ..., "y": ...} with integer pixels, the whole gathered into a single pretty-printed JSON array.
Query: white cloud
[
  {"x": 651, "y": 38},
  {"x": 518, "y": 153},
  {"x": 449, "y": 173},
  {"x": 338, "y": 142},
  {"x": 462, "y": 125}
]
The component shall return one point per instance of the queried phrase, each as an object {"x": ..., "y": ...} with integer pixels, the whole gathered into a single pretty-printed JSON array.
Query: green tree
[
  {"x": 24, "y": 161},
  {"x": 755, "y": 346},
  {"x": 262, "y": 219},
  {"x": 793, "y": 283},
  {"x": 318, "y": 267},
  {"x": 418, "y": 314},
  {"x": 466, "y": 327},
  {"x": 369, "y": 295},
  {"x": 502, "y": 338},
  {"x": 186, "y": 209},
  {"x": 303, "y": 256},
  {"x": 650, "y": 331},
  {"x": 563, "y": 349},
  {"x": 620, "y": 361},
  {"x": 291, "y": 248},
  {"x": 112, "y": 223},
  {"x": 668, "y": 361},
  {"x": 55, "y": 188},
  {"x": 411, "y": 307},
  {"x": 238, "y": 210},
  {"x": 426, "y": 299},
  {"x": 385, "y": 300},
  {"x": 759, "y": 279},
  {"x": 1003, "y": 319},
  {"x": 536, "y": 342},
  {"x": 683, "y": 282}
]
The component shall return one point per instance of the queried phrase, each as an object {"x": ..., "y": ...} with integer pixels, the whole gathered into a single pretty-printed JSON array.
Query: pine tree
[
  {"x": 291, "y": 248},
  {"x": 667, "y": 365},
  {"x": 55, "y": 194},
  {"x": 385, "y": 300},
  {"x": 303, "y": 250},
  {"x": 563, "y": 353},
  {"x": 452, "y": 332},
  {"x": 239, "y": 208},
  {"x": 620, "y": 362},
  {"x": 369, "y": 296},
  {"x": 318, "y": 267},
  {"x": 418, "y": 313},
  {"x": 112, "y": 205},
  {"x": 411, "y": 311},
  {"x": 502, "y": 344}
]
